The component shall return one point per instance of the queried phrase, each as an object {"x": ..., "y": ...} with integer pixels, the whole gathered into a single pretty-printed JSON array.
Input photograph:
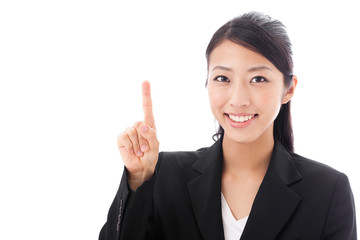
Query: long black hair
[{"x": 262, "y": 34}]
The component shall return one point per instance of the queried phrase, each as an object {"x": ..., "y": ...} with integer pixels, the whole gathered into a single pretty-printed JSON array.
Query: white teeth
[{"x": 241, "y": 118}]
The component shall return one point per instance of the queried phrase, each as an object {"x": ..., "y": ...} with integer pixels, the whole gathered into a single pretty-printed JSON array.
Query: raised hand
[{"x": 139, "y": 146}]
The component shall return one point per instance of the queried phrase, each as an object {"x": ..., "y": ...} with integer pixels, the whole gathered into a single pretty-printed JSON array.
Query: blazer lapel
[
  {"x": 273, "y": 206},
  {"x": 275, "y": 202},
  {"x": 205, "y": 193}
]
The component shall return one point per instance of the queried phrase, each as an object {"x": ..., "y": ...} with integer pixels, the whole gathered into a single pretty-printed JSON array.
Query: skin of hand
[{"x": 139, "y": 146}]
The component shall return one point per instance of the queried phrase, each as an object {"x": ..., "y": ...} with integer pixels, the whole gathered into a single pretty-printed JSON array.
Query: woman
[{"x": 249, "y": 184}]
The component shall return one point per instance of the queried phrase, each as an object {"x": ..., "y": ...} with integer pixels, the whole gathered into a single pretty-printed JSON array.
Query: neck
[{"x": 247, "y": 157}]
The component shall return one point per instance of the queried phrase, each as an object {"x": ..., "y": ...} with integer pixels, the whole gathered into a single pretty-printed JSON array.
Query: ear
[{"x": 289, "y": 93}]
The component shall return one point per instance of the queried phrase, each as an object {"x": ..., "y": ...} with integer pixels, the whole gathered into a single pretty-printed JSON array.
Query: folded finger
[
  {"x": 124, "y": 141},
  {"x": 133, "y": 136},
  {"x": 149, "y": 134},
  {"x": 144, "y": 145}
]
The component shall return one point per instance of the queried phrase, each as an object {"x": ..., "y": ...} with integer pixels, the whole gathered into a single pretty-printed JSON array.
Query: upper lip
[{"x": 241, "y": 114}]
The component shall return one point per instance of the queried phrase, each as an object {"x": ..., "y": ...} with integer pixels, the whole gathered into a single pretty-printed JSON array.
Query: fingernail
[
  {"x": 144, "y": 148},
  {"x": 140, "y": 153}
]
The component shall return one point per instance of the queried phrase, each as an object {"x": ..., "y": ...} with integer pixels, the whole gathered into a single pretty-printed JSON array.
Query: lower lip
[{"x": 240, "y": 124}]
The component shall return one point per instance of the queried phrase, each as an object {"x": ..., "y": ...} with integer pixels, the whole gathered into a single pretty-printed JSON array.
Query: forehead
[{"x": 234, "y": 55}]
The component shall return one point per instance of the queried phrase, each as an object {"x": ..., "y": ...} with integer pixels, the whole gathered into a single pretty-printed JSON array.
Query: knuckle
[
  {"x": 137, "y": 124},
  {"x": 132, "y": 132},
  {"x": 134, "y": 138},
  {"x": 121, "y": 137},
  {"x": 122, "y": 142}
]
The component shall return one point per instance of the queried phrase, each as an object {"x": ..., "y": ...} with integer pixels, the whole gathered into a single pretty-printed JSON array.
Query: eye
[
  {"x": 258, "y": 79},
  {"x": 221, "y": 79}
]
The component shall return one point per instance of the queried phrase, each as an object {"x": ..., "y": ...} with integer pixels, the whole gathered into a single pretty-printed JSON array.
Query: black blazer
[{"x": 298, "y": 199}]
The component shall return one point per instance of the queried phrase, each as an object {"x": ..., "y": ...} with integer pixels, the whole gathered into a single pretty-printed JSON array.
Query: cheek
[
  {"x": 216, "y": 100},
  {"x": 270, "y": 103}
]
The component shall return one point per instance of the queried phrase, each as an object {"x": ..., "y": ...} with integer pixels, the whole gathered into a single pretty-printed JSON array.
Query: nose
[{"x": 239, "y": 95}]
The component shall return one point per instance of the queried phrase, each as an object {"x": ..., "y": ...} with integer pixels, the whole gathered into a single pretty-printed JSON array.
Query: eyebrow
[
  {"x": 222, "y": 68},
  {"x": 257, "y": 68},
  {"x": 252, "y": 69}
]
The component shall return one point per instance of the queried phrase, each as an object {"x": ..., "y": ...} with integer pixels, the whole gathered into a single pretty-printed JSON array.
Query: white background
[{"x": 70, "y": 81}]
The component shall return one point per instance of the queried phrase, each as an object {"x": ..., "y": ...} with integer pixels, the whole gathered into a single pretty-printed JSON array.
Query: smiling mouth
[{"x": 241, "y": 119}]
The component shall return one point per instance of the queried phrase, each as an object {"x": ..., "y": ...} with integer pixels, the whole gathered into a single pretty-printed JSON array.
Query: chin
[{"x": 240, "y": 138}]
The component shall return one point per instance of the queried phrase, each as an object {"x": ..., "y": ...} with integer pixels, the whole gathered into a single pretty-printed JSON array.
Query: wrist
[{"x": 135, "y": 180}]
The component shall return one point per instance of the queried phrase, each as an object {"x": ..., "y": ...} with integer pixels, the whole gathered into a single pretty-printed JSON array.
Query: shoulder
[
  {"x": 184, "y": 159},
  {"x": 325, "y": 189},
  {"x": 310, "y": 166},
  {"x": 319, "y": 176},
  {"x": 189, "y": 164},
  {"x": 175, "y": 168}
]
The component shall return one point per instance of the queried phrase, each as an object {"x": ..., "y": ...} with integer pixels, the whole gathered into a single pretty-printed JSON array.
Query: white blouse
[{"x": 233, "y": 228}]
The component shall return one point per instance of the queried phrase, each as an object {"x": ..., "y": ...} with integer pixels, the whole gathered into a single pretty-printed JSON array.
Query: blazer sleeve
[
  {"x": 130, "y": 214},
  {"x": 341, "y": 219}
]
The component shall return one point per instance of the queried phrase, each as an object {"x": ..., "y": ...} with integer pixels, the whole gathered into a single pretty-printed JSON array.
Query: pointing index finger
[{"x": 147, "y": 104}]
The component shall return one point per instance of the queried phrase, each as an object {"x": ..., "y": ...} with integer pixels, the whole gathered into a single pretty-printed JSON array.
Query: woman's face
[{"x": 246, "y": 92}]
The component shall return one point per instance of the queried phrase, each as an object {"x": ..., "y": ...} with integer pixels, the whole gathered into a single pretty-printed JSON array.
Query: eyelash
[
  {"x": 259, "y": 77},
  {"x": 225, "y": 79}
]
